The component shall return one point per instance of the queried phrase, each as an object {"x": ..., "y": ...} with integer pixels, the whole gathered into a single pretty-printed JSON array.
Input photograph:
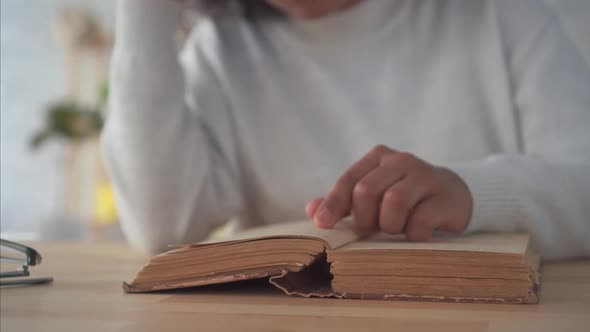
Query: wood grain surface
[{"x": 87, "y": 296}]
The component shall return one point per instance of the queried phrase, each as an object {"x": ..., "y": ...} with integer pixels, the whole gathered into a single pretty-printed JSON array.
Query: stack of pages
[{"x": 303, "y": 260}]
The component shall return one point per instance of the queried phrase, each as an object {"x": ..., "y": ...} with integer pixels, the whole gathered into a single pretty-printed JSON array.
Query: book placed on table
[{"x": 303, "y": 260}]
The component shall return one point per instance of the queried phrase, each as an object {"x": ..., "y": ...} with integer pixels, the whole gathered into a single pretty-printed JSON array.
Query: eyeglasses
[{"x": 31, "y": 258}]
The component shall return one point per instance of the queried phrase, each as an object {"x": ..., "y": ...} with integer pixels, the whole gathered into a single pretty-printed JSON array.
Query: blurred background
[
  {"x": 53, "y": 91},
  {"x": 54, "y": 60}
]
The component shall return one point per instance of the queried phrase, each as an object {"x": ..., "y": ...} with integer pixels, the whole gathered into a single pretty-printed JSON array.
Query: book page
[
  {"x": 493, "y": 243},
  {"x": 340, "y": 235}
]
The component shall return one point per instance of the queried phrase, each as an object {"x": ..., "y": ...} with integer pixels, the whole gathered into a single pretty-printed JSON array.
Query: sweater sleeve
[
  {"x": 545, "y": 190},
  {"x": 174, "y": 175}
]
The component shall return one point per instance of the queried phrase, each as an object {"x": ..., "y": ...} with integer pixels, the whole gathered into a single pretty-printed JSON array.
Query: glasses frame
[{"x": 32, "y": 258}]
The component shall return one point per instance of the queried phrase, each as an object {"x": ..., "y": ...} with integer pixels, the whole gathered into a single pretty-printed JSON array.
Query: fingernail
[{"x": 324, "y": 218}]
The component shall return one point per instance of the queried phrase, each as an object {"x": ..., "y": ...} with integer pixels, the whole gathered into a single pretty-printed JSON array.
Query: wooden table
[{"x": 86, "y": 296}]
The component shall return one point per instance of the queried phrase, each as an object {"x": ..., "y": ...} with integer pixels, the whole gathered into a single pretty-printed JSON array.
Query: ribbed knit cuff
[
  {"x": 147, "y": 22},
  {"x": 496, "y": 198},
  {"x": 145, "y": 58}
]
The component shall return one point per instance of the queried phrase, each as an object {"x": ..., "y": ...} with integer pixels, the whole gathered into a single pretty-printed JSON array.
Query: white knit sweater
[{"x": 263, "y": 116}]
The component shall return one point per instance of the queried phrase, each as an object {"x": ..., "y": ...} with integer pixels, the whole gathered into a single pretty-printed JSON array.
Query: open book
[{"x": 303, "y": 260}]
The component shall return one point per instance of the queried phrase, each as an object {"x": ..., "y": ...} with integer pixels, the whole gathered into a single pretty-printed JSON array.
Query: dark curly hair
[{"x": 251, "y": 9}]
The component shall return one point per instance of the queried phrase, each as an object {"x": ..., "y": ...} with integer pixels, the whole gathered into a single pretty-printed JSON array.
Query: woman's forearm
[{"x": 156, "y": 151}]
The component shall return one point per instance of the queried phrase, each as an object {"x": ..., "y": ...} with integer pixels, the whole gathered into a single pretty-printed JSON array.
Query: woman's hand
[{"x": 395, "y": 192}]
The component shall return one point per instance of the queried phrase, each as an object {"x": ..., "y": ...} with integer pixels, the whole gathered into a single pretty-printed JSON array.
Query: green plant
[{"x": 70, "y": 120}]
